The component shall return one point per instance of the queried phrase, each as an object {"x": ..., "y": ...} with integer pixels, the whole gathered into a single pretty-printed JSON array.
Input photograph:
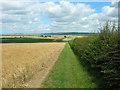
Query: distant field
[
  {"x": 34, "y": 39},
  {"x": 52, "y": 36},
  {"x": 27, "y": 40},
  {"x": 21, "y": 61}
]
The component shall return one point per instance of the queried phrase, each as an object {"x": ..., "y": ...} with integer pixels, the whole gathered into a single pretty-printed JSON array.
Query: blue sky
[
  {"x": 32, "y": 16},
  {"x": 98, "y": 5},
  {"x": 46, "y": 20}
]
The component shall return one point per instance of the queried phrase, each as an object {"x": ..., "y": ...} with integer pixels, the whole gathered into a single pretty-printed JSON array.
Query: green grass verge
[{"x": 68, "y": 72}]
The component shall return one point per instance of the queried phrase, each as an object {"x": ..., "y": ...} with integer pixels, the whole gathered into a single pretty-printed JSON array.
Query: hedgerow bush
[{"x": 101, "y": 52}]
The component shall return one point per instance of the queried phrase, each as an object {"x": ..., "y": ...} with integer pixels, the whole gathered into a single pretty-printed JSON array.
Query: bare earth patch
[{"x": 27, "y": 64}]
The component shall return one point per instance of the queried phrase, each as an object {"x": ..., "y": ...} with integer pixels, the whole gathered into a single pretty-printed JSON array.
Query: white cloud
[
  {"x": 115, "y": 3},
  {"x": 66, "y": 11},
  {"x": 110, "y": 11},
  {"x": 24, "y": 16},
  {"x": 65, "y": 14}
]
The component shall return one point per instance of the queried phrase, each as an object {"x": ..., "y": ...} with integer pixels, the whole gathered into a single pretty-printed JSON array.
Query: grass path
[{"x": 68, "y": 73}]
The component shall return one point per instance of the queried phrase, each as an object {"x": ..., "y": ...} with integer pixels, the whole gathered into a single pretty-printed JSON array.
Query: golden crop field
[{"x": 21, "y": 61}]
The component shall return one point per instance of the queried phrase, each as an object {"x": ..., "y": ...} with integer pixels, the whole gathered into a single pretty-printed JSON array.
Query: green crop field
[{"x": 27, "y": 40}]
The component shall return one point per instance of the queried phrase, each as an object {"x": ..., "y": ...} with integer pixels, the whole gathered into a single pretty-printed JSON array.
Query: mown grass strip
[{"x": 68, "y": 72}]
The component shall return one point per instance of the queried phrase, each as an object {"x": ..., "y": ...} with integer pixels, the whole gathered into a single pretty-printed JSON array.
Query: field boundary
[
  {"x": 68, "y": 72},
  {"x": 39, "y": 77}
]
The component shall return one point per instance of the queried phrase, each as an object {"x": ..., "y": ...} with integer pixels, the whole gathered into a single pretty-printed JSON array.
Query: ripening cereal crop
[{"x": 20, "y": 61}]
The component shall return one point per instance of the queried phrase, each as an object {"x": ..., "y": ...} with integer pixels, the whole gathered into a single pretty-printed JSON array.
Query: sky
[{"x": 35, "y": 16}]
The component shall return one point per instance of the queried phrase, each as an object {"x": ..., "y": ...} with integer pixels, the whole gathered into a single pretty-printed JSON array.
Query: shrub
[{"x": 101, "y": 52}]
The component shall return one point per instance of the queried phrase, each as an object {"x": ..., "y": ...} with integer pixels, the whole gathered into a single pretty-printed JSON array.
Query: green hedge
[{"x": 101, "y": 52}]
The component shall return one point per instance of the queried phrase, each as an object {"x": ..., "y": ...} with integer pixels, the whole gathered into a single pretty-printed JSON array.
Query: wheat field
[{"x": 20, "y": 61}]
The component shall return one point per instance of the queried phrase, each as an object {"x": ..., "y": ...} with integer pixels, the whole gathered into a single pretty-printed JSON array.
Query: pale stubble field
[{"x": 21, "y": 61}]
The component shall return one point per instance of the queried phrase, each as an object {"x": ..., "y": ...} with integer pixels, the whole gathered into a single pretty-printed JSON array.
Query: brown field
[{"x": 21, "y": 61}]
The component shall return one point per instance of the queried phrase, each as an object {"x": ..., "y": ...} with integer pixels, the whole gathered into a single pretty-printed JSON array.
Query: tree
[
  {"x": 65, "y": 36},
  {"x": 41, "y": 35}
]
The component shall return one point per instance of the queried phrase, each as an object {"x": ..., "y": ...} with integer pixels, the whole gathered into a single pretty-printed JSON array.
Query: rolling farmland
[
  {"x": 30, "y": 63},
  {"x": 21, "y": 61},
  {"x": 59, "y": 44}
]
